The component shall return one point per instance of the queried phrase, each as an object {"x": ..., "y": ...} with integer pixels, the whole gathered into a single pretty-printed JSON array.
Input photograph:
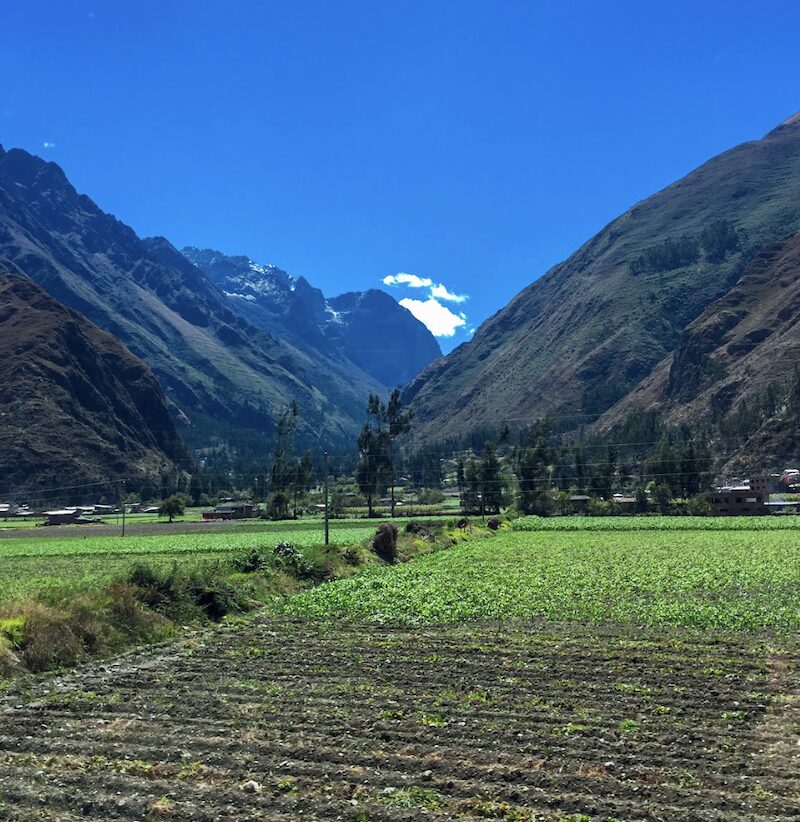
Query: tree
[
  {"x": 278, "y": 505},
  {"x": 424, "y": 468},
  {"x": 461, "y": 482},
  {"x": 373, "y": 467},
  {"x": 398, "y": 422},
  {"x": 491, "y": 483},
  {"x": 662, "y": 495},
  {"x": 471, "y": 497},
  {"x": 304, "y": 477},
  {"x": 283, "y": 474},
  {"x": 171, "y": 507},
  {"x": 533, "y": 472},
  {"x": 604, "y": 479},
  {"x": 641, "y": 501},
  {"x": 579, "y": 478},
  {"x": 282, "y": 471}
]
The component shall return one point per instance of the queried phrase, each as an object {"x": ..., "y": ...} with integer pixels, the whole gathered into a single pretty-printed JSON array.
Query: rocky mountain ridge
[
  {"x": 219, "y": 372},
  {"x": 368, "y": 328}
]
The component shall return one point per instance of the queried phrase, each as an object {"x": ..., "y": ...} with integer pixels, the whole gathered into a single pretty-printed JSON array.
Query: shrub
[
  {"x": 699, "y": 506},
  {"x": 173, "y": 593},
  {"x": 430, "y": 496},
  {"x": 250, "y": 562},
  {"x": 384, "y": 543},
  {"x": 420, "y": 530},
  {"x": 50, "y": 641},
  {"x": 155, "y": 589},
  {"x": 292, "y": 560},
  {"x": 214, "y": 597}
]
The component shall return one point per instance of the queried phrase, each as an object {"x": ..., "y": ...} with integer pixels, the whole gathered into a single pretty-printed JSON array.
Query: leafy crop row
[
  {"x": 714, "y": 580},
  {"x": 657, "y": 523}
]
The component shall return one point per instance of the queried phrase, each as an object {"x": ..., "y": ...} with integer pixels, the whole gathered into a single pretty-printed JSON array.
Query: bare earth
[{"x": 355, "y": 722}]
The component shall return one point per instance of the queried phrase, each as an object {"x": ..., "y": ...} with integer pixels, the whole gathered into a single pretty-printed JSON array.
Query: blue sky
[{"x": 470, "y": 144}]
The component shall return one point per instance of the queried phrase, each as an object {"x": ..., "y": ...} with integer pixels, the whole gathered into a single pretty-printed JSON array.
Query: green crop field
[
  {"x": 657, "y": 523},
  {"x": 733, "y": 579},
  {"x": 34, "y": 564}
]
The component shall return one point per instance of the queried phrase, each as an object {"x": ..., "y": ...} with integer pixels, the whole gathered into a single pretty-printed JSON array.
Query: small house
[
  {"x": 234, "y": 510},
  {"x": 737, "y": 501},
  {"x": 63, "y": 516}
]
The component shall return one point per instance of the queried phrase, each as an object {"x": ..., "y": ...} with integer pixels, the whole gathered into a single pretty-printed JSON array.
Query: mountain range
[
  {"x": 685, "y": 301},
  {"x": 226, "y": 367},
  {"x": 368, "y": 328},
  {"x": 686, "y": 308}
]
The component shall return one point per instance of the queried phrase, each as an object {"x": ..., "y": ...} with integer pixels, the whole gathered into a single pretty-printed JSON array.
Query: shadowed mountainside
[
  {"x": 77, "y": 405},
  {"x": 744, "y": 345},
  {"x": 216, "y": 369}
]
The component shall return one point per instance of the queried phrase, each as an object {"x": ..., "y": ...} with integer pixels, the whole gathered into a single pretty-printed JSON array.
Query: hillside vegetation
[{"x": 583, "y": 336}]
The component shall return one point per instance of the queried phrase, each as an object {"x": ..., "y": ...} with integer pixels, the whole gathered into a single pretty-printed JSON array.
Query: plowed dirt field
[{"x": 284, "y": 719}]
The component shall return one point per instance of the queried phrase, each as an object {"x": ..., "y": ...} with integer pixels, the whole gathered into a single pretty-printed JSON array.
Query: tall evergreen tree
[
  {"x": 373, "y": 449},
  {"x": 533, "y": 473},
  {"x": 304, "y": 476},
  {"x": 398, "y": 422}
]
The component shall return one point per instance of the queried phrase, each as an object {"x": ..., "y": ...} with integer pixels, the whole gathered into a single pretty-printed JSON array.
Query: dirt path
[{"x": 357, "y": 722}]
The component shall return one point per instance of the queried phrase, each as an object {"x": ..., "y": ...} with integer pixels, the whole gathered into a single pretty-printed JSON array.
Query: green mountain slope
[
  {"x": 586, "y": 333},
  {"x": 736, "y": 366}
]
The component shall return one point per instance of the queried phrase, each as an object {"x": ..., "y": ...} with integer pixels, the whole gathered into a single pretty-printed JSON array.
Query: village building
[
  {"x": 766, "y": 484},
  {"x": 63, "y": 516},
  {"x": 737, "y": 501},
  {"x": 237, "y": 510}
]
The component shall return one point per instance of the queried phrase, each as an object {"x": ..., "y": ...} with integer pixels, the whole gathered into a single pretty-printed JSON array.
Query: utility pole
[
  {"x": 326, "y": 499},
  {"x": 123, "y": 507}
]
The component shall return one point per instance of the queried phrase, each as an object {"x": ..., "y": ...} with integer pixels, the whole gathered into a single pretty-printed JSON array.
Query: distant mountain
[
  {"x": 368, "y": 328},
  {"x": 580, "y": 338},
  {"x": 220, "y": 373},
  {"x": 77, "y": 406}
]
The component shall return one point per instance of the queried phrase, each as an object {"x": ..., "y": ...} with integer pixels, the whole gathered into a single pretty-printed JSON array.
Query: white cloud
[
  {"x": 411, "y": 280},
  {"x": 439, "y": 319},
  {"x": 440, "y": 292},
  {"x": 48, "y": 144}
]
